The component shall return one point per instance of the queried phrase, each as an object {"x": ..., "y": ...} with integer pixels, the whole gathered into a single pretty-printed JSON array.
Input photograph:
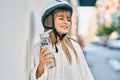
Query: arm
[
  {"x": 38, "y": 61},
  {"x": 39, "y": 72},
  {"x": 36, "y": 73}
]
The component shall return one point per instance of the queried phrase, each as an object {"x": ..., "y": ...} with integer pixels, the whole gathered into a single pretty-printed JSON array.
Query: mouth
[{"x": 64, "y": 27}]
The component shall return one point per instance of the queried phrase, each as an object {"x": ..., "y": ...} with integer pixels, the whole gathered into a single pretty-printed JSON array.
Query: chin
[{"x": 64, "y": 32}]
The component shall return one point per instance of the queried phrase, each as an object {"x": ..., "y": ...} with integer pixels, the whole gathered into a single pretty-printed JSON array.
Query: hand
[{"x": 45, "y": 58}]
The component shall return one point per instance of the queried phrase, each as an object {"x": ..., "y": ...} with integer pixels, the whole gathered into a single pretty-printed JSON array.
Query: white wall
[{"x": 15, "y": 27}]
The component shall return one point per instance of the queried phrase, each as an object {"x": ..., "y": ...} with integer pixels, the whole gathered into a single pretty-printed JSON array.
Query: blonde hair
[{"x": 66, "y": 43}]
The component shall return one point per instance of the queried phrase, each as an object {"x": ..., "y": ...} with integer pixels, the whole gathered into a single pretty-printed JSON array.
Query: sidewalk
[{"x": 99, "y": 60}]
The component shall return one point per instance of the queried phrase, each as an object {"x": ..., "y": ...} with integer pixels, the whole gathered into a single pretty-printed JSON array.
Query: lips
[{"x": 65, "y": 27}]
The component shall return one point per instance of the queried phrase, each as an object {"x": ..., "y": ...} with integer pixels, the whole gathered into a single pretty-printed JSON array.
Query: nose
[{"x": 65, "y": 21}]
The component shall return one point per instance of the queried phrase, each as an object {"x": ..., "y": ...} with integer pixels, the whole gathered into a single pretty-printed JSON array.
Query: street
[{"x": 103, "y": 62}]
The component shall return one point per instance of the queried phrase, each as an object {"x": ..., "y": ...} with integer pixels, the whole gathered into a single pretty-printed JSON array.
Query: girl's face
[{"x": 62, "y": 22}]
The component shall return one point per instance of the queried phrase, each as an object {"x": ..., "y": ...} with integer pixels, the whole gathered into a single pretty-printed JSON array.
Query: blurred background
[{"x": 95, "y": 25}]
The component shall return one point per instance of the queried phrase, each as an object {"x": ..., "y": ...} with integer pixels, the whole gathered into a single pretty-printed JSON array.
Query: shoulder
[
  {"x": 73, "y": 41},
  {"x": 68, "y": 37},
  {"x": 76, "y": 46}
]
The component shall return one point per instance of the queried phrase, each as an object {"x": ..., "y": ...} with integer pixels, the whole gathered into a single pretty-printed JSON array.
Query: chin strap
[{"x": 55, "y": 32}]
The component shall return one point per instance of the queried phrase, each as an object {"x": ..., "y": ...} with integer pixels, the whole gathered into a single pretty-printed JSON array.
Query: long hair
[{"x": 65, "y": 42}]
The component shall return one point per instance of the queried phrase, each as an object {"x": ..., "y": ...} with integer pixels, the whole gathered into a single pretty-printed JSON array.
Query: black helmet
[{"x": 53, "y": 6}]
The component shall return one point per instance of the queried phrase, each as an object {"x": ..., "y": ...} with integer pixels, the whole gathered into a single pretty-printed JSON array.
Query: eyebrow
[
  {"x": 63, "y": 16},
  {"x": 60, "y": 16}
]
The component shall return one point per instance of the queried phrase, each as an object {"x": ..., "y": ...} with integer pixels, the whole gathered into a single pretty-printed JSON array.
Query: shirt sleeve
[
  {"x": 84, "y": 70},
  {"x": 34, "y": 65}
]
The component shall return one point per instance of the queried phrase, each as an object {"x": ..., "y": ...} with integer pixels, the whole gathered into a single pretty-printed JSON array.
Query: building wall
[{"x": 19, "y": 22}]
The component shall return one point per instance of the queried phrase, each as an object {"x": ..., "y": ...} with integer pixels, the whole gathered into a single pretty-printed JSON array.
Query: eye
[
  {"x": 60, "y": 18},
  {"x": 69, "y": 20}
]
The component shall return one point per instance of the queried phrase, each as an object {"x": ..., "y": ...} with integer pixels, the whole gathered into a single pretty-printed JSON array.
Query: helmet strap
[{"x": 56, "y": 33}]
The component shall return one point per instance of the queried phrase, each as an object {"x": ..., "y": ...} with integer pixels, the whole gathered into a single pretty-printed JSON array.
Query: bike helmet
[
  {"x": 49, "y": 9},
  {"x": 52, "y": 6}
]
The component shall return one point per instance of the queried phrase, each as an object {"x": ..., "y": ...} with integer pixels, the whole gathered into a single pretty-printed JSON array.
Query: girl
[{"x": 69, "y": 58}]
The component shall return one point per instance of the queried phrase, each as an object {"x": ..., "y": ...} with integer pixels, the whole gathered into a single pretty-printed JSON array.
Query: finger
[
  {"x": 46, "y": 60},
  {"x": 43, "y": 49},
  {"x": 46, "y": 53},
  {"x": 48, "y": 57},
  {"x": 49, "y": 60}
]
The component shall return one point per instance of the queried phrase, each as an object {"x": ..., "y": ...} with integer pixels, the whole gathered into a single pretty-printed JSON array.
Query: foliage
[{"x": 104, "y": 30}]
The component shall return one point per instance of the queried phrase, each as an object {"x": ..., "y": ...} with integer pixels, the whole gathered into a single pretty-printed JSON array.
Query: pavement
[{"x": 103, "y": 62}]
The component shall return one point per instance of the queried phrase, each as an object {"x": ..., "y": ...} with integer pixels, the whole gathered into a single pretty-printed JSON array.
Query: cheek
[{"x": 57, "y": 24}]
